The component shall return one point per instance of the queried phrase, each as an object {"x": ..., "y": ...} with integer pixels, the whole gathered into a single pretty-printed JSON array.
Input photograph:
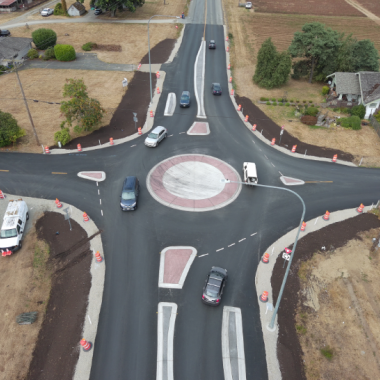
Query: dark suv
[
  {"x": 212, "y": 44},
  {"x": 130, "y": 194},
  {"x": 185, "y": 99},
  {"x": 214, "y": 285},
  {"x": 4, "y": 33},
  {"x": 216, "y": 89}
]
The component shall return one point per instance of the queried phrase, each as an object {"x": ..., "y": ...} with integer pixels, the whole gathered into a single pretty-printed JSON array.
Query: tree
[
  {"x": 366, "y": 57},
  {"x": 87, "y": 112},
  {"x": 9, "y": 129},
  {"x": 273, "y": 68},
  {"x": 64, "y": 6},
  {"x": 117, "y": 5},
  {"x": 316, "y": 44},
  {"x": 44, "y": 38}
]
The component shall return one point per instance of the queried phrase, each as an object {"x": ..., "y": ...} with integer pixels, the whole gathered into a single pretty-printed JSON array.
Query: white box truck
[
  {"x": 250, "y": 172},
  {"x": 13, "y": 227}
]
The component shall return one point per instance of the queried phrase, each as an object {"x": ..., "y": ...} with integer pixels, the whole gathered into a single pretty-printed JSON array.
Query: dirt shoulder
[{"x": 325, "y": 288}]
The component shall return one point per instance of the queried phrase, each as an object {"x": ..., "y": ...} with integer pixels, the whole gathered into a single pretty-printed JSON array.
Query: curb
[
  {"x": 90, "y": 326},
  {"x": 149, "y": 120},
  {"x": 263, "y": 282},
  {"x": 258, "y": 134}
]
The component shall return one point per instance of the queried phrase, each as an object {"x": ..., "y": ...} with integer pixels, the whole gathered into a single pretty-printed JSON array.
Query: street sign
[
  {"x": 282, "y": 131},
  {"x": 125, "y": 82},
  {"x": 135, "y": 119},
  {"x": 285, "y": 256}
]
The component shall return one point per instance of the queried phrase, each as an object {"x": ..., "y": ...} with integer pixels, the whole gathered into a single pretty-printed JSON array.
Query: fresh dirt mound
[
  {"x": 107, "y": 47},
  {"x": 136, "y": 99},
  {"x": 160, "y": 53},
  {"x": 272, "y": 130},
  {"x": 57, "y": 349},
  {"x": 334, "y": 236}
]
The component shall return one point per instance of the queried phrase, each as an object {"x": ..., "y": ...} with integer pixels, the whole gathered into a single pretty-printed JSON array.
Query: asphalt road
[{"x": 125, "y": 347}]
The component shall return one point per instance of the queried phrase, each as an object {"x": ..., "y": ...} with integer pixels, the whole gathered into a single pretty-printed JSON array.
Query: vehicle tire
[
  {"x": 27, "y": 216},
  {"x": 20, "y": 245}
]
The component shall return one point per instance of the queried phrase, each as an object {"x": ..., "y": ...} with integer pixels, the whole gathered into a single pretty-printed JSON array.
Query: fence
[{"x": 375, "y": 124}]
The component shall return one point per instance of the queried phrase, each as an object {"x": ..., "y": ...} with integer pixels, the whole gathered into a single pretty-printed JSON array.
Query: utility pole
[{"x": 26, "y": 105}]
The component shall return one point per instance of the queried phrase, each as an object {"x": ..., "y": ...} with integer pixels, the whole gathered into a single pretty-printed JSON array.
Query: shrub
[
  {"x": 327, "y": 352},
  {"x": 58, "y": 10},
  {"x": 49, "y": 53},
  {"x": 274, "y": 104},
  {"x": 297, "y": 101},
  {"x": 273, "y": 99},
  {"x": 310, "y": 101},
  {"x": 63, "y": 136},
  {"x": 64, "y": 52},
  {"x": 358, "y": 111},
  {"x": 352, "y": 122},
  {"x": 309, "y": 120},
  {"x": 32, "y": 54},
  {"x": 280, "y": 100},
  {"x": 291, "y": 101},
  {"x": 9, "y": 129},
  {"x": 230, "y": 36},
  {"x": 377, "y": 116},
  {"x": 287, "y": 104},
  {"x": 268, "y": 103},
  {"x": 262, "y": 98},
  {"x": 280, "y": 104},
  {"x": 89, "y": 46},
  {"x": 344, "y": 110},
  {"x": 325, "y": 90},
  {"x": 303, "y": 101},
  {"x": 311, "y": 111},
  {"x": 43, "y": 38}
]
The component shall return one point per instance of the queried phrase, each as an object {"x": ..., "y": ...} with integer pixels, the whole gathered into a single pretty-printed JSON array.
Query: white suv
[{"x": 248, "y": 5}]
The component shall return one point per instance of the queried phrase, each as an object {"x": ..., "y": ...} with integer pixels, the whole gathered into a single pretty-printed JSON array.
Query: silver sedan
[{"x": 156, "y": 136}]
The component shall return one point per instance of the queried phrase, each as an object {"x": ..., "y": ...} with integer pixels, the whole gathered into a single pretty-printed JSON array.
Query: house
[
  {"x": 350, "y": 89},
  {"x": 76, "y": 9},
  {"x": 14, "y": 48},
  {"x": 8, "y": 6}
]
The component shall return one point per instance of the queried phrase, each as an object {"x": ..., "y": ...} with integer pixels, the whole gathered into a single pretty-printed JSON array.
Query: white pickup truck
[
  {"x": 250, "y": 172},
  {"x": 13, "y": 227}
]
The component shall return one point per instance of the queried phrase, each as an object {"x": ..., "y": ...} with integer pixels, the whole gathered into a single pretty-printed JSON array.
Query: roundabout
[{"x": 193, "y": 182}]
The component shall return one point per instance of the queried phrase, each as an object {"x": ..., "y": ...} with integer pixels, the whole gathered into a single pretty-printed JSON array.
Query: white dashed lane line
[
  {"x": 181, "y": 133},
  {"x": 101, "y": 212},
  {"x": 281, "y": 173},
  {"x": 133, "y": 146},
  {"x": 254, "y": 234},
  {"x": 100, "y": 201},
  {"x": 272, "y": 165},
  {"x": 265, "y": 156},
  {"x": 231, "y": 245},
  {"x": 241, "y": 240},
  {"x": 203, "y": 255},
  {"x": 221, "y": 249}
]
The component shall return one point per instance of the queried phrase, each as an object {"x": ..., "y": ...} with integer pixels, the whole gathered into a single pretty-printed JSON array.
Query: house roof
[
  {"x": 347, "y": 83},
  {"x": 79, "y": 6},
  {"x": 7, "y": 2},
  {"x": 370, "y": 85},
  {"x": 11, "y": 46}
]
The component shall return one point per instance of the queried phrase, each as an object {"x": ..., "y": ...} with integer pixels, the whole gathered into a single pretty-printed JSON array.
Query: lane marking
[
  {"x": 221, "y": 249},
  {"x": 101, "y": 212},
  {"x": 281, "y": 173},
  {"x": 231, "y": 245},
  {"x": 97, "y": 184},
  {"x": 254, "y": 234},
  {"x": 133, "y": 146},
  {"x": 260, "y": 150},
  {"x": 98, "y": 191},
  {"x": 4, "y": 170},
  {"x": 241, "y": 240},
  {"x": 203, "y": 255},
  {"x": 170, "y": 135},
  {"x": 265, "y": 156},
  {"x": 58, "y": 173},
  {"x": 89, "y": 319},
  {"x": 273, "y": 165},
  {"x": 318, "y": 181},
  {"x": 100, "y": 201},
  {"x": 181, "y": 133},
  {"x": 316, "y": 220}
]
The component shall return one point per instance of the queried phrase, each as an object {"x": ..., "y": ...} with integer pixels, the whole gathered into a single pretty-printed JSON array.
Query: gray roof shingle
[
  {"x": 370, "y": 83},
  {"x": 11, "y": 46},
  {"x": 347, "y": 83}
]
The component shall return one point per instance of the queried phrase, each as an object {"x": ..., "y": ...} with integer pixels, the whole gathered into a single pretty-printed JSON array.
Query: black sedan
[
  {"x": 4, "y": 33},
  {"x": 130, "y": 194},
  {"x": 214, "y": 285},
  {"x": 185, "y": 99},
  {"x": 98, "y": 11},
  {"x": 216, "y": 89},
  {"x": 211, "y": 44}
]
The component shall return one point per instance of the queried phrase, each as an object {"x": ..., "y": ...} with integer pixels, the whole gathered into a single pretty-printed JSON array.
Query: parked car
[
  {"x": 250, "y": 172},
  {"x": 156, "y": 136},
  {"x": 248, "y": 5},
  {"x": 4, "y": 33},
  {"x": 130, "y": 194},
  {"x": 98, "y": 11},
  {"x": 47, "y": 12},
  {"x": 216, "y": 89},
  {"x": 214, "y": 285},
  {"x": 212, "y": 44},
  {"x": 185, "y": 99}
]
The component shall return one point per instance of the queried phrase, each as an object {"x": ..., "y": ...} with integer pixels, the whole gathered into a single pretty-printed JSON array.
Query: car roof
[
  {"x": 158, "y": 129},
  {"x": 186, "y": 93},
  {"x": 129, "y": 183},
  {"x": 216, "y": 84},
  {"x": 212, "y": 41},
  {"x": 219, "y": 270}
]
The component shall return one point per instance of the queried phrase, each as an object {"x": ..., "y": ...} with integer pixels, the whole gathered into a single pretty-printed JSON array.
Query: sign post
[
  {"x": 135, "y": 119},
  {"x": 125, "y": 82},
  {"x": 281, "y": 133}
]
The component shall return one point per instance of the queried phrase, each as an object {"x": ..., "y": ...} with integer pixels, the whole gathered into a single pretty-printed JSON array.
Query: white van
[
  {"x": 13, "y": 227},
  {"x": 250, "y": 172}
]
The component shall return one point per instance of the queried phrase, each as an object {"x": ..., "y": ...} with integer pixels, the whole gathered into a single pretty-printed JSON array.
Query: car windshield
[
  {"x": 127, "y": 195},
  {"x": 211, "y": 290},
  {"x": 216, "y": 87},
  {"x": 5, "y": 234},
  {"x": 184, "y": 98},
  {"x": 153, "y": 136}
]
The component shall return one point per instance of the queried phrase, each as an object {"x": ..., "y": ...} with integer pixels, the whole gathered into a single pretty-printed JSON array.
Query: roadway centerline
[
  {"x": 318, "y": 181},
  {"x": 4, "y": 170}
]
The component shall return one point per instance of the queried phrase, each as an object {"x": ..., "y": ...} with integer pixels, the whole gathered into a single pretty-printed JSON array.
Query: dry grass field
[
  {"x": 307, "y": 7},
  {"x": 251, "y": 29},
  {"x": 372, "y": 5},
  {"x": 342, "y": 313},
  {"x": 47, "y": 85},
  {"x": 37, "y": 15},
  {"x": 133, "y": 49}
]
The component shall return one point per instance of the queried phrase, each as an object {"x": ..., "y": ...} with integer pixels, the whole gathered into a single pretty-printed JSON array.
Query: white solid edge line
[
  {"x": 240, "y": 344},
  {"x": 161, "y": 283},
  {"x": 169, "y": 111},
  {"x": 226, "y": 345}
]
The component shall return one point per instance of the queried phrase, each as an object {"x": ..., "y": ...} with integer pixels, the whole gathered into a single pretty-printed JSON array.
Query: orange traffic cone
[
  {"x": 85, "y": 345},
  {"x": 2, "y": 196},
  {"x": 303, "y": 226},
  {"x": 294, "y": 148},
  {"x": 228, "y": 49},
  {"x": 58, "y": 203},
  {"x": 138, "y": 67},
  {"x": 326, "y": 216},
  {"x": 47, "y": 151},
  {"x": 232, "y": 91},
  {"x": 139, "y": 131},
  {"x": 151, "y": 113},
  {"x": 158, "y": 75},
  {"x": 230, "y": 80},
  {"x": 246, "y": 118},
  {"x": 360, "y": 208},
  {"x": 265, "y": 258},
  {"x": 254, "y": 127},
  {"x": 226, "y": 38},
  {"x": 335, "y": 158},
  {"x": 79, "y": 148},
  {"x": 273, "y": 141},
  {"x": 264, "y": 296},
  {"x": 85, "y": 217},
  {"x": 229, "y": 67},
  {"x": 99, "y": 258},
  {"x": 239, "y": 108},
  {"x": 158, "y": 90},
  {"x": 6, "y": 253}
]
